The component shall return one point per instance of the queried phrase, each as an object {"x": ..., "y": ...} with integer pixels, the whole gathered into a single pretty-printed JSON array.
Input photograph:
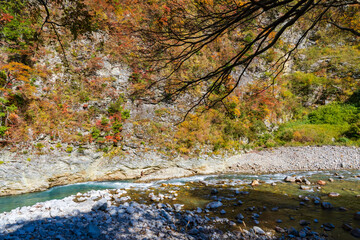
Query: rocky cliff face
[{"x": 29, "y": 173}]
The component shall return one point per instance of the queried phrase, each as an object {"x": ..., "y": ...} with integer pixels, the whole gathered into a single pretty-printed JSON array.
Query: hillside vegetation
[{"x": 79, "y": 80}]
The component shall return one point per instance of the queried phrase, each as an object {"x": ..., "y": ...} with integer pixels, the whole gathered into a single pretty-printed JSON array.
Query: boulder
[
  {"x": 255, "y": 183},
  {"x": 100, "y": 205},
  {"x": 290, "y": 179},
  {"x": 333, "y": 194},
  {"x": 321, "y": 182},
  {"x": 258, "y": 230}
]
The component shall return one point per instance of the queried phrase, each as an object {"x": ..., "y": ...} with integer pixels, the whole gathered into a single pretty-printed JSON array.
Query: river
[{"x": 272, "y": 203}]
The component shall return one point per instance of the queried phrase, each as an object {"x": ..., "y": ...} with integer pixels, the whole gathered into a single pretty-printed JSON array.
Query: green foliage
[
  {"x": 3, "y": 130},
  {"x": 81, "y": 149},
  {"x": 104, "y": 121},
  {"x": 354, "y": 130},
  {"x": 17, "y": 26},
  {"x": 334, "y": 114},
  {"x": 95, "y": 132},
  {"x": 125, "y": 114},
  {"x": 69, "y": 149},
  {"x": 39, "y": 146},
  {"x": 330, "y": 124},
  {"x": 313, "y": 134},
  {"x": 105, "y": 149},
  {"x": 116, "y": 106},
  {"x": 117, "y": 127}
]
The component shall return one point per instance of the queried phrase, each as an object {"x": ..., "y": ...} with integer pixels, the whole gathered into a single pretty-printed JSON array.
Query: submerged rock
[
  {"x": 347, "y": 227},
  {"x": 304, "y": 222},
  {"x": 328, "y": 226},
  {"x": 214, "y": 205},
  {"x": 326, "y": 205},
  {"x": 356, "y": 232},
  {"x": 239, "y": 217}
]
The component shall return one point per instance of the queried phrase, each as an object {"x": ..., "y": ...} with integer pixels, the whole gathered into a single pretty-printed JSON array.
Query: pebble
[
  {"x": 326, "y": 205},
  {"x": 302, "y": 234},
  {"x": 275, "y": 209},
  {"x": 333, "y": 194},
  {"x": 331, "y": 179}
]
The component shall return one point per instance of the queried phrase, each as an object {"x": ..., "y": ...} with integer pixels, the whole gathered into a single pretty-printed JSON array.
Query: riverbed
[{"x": 265, "y": 201}]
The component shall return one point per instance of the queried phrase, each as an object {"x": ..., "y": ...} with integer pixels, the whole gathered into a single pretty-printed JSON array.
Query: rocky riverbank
[
  {"x": 22, "y": 173},
  {"x": 104, "y": 215},
  {"x": 212, "y": 208}
]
